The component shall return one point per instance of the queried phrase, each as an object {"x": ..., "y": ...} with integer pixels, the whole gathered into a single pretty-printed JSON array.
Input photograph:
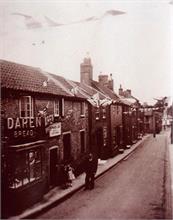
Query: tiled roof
[
  {"x": 131, "y": 101},
  {"x": 70, "y": 85},
  {"x": 90, "y": 91},
  {"x": 105, "y": 90},
  {"x": 21, "y": 77}
]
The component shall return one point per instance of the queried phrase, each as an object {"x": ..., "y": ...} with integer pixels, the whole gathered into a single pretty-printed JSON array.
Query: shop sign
[
  {"x": 22, "y": 129},
  {"x": 55, "y": 129}
]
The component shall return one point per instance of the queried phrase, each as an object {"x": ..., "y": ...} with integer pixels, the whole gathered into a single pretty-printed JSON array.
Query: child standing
[{"x": 71, "y": 176}]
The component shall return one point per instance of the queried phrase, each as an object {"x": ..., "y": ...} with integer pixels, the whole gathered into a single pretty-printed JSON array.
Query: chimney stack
[
  {"x": 128, "y": 93},
  {"x": 86, "y": 71},
  {"x": 111, "y": 83},
  {"x": 103, "y": 80},
  {"x": 121, "y": 93}
]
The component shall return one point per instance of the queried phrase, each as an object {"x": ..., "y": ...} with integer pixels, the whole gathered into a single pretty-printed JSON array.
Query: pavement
[{"x": 58, "y": 195}]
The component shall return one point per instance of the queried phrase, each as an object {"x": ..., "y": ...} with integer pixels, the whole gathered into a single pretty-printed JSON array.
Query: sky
[{"x": 129, "y": 38}]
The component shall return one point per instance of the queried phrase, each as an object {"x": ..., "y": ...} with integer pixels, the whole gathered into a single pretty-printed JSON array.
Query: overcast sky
[{"x": 134, "y": 46}]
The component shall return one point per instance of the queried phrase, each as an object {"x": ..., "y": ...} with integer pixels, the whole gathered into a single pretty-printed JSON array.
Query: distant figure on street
[{"x": 90, "y": 170}]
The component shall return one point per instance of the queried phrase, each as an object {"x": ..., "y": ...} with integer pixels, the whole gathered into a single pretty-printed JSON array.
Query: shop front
[{"x": 30, "y": 155}]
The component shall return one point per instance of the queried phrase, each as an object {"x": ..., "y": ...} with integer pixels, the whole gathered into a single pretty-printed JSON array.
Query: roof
[
  {"x": 131, "y": 101},
  {"x": 105, "y": 90},
  {"x": 90, "y": 91},
  {"x": 70, "y": 85},
  {"x": 21, "y": 77}
]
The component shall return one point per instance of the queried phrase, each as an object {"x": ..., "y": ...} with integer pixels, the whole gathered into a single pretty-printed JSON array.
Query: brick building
[
  {"x": 131, "y": 117},
  {"x": 44, "y": 123},
  {"x": 106, "y": 115},
  {"x": 48, "y": 120}
]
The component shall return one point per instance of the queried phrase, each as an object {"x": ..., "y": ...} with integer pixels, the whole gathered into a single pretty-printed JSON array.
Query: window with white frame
[
  {"x": 59, "y": 107},
  {"x": 82, "y": 108},
  {"x": 104, "y": 112},
  {"x": 56, "y": 107},
  {"x": 62, "y": 107},
  {"x": 26, "y": 106},
  {"x": 97, "y": 113}
]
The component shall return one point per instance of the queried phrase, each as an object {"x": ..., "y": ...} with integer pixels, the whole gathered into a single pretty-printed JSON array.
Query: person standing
[
  {"x": 90, "y": 170},
  {"x": 64, "y": 176},
  {"x": 71, "y": 176}
]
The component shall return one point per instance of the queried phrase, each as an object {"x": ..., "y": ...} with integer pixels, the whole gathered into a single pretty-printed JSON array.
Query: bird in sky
[
  {"x": 113, "y": 12},
  {"x": 30, "y": 22},
  {"x": 42, "y": 42},
  {"x": 52, "y": 23}
]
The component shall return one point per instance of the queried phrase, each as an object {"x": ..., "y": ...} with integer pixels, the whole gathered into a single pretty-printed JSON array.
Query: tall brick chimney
[
  {"x": 86, "y": 71},
  {"x": 129, "y": 92},
  {"x": 121, "y": 93},
  {"x": 111, "y": 83},
  {"x": 103, "y": 80}
]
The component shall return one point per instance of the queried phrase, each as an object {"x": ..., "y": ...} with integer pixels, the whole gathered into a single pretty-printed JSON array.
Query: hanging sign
[{"x": 55, "y": 129}]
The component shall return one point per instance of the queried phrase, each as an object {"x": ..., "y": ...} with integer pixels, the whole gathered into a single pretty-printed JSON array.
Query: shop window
[
  {"x": 25, "y": 168},
  {"x": 104, "y": 112},
  {"x": 97, "y": 113},
  {"x": 82, "y": 108},
  {"x": 26, "y": 106}
]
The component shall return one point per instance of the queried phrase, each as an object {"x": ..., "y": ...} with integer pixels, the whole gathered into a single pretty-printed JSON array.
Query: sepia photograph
[{"x": 86, "y": 109}]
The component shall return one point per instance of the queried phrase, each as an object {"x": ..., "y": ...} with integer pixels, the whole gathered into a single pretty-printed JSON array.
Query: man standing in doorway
[{"x": 90, "y": 170}]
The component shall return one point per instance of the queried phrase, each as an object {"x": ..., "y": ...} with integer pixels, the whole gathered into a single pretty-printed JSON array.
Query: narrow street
[{"x": 135, "y": 188}]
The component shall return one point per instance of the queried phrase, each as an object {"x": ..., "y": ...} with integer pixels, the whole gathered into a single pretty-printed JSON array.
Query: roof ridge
[
  {"x": 96, "y": 90},
  {"x": 58, "y": 83}
]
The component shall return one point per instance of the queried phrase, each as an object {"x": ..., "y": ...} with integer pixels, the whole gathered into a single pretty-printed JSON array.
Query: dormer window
[{"x": 26, "y": 106}]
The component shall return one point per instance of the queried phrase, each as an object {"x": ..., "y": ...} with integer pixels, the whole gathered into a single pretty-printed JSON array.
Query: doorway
[
  {"x": 82, "y": 141},
  {"x": 53, "y": 166},
  {"x": 67, "y": 146},
  {"x": 99, "y": 141}
]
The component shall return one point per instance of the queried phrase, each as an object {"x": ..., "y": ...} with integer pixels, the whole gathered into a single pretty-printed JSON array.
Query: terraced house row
[{"x": 47, "y": 120}]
